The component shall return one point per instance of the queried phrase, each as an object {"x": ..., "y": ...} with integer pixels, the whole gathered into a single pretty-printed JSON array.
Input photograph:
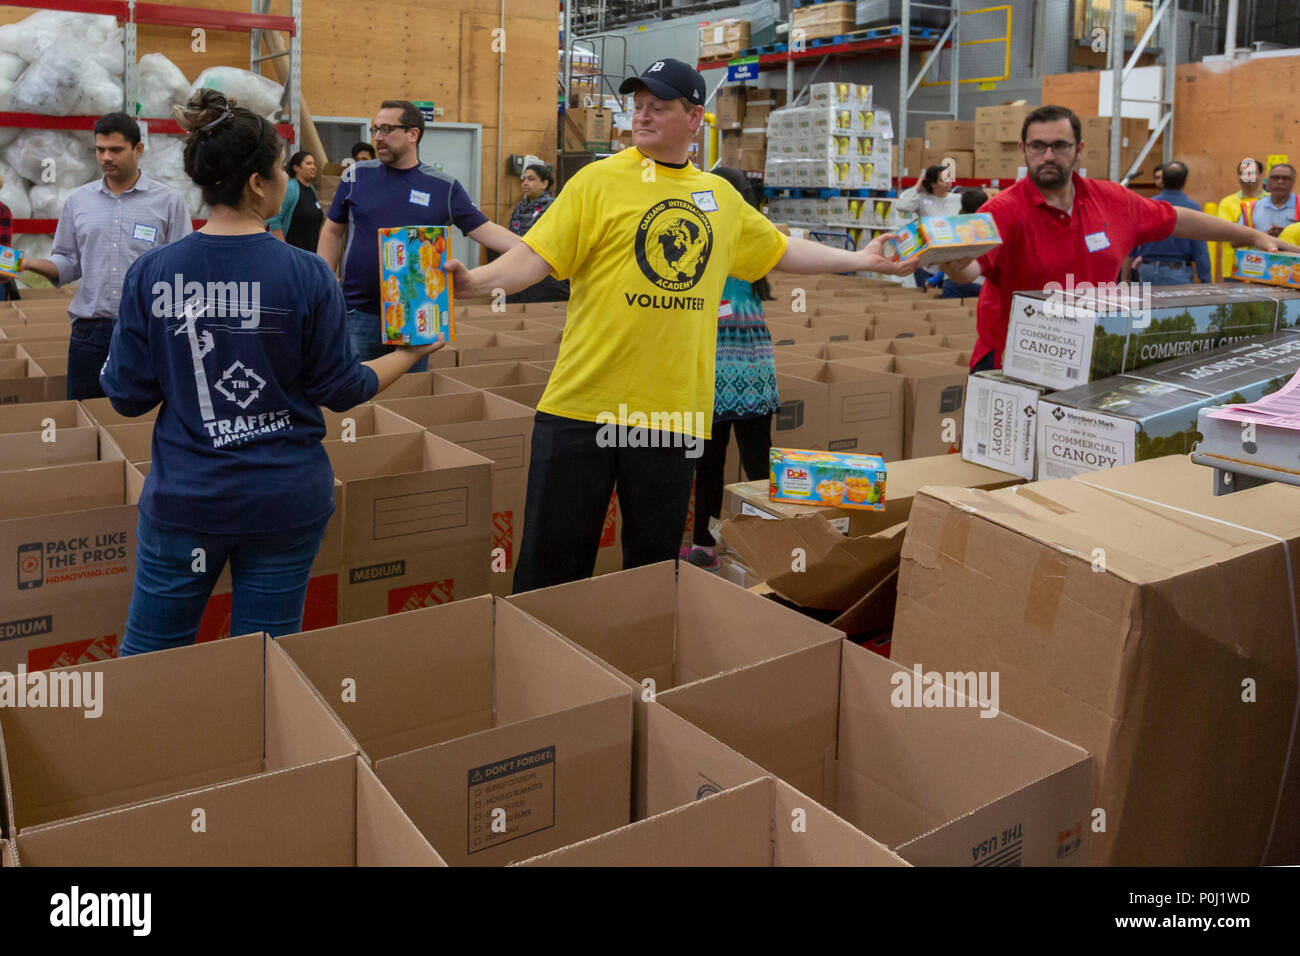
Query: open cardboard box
[
  {"x": 499, "y": 430},
  {"x": 478, "y": 348},
  {"x": 363, "y": 421},
  {"x": 242, "y": 768},
  {"x": 951, "y": 785},
  {"x": 474, "y": 706},
  {"x": 821, "y": 351},
  {"x": 102, "y": 413},
  {"x": 863, "y": 409},
  {"x": 133, "y": 441},
  {"x": 416, "y": 523},
  {"x": 414, "y": 384},
  {"x": 498, "y": 374},
  {"x": 21, "y": 379},
  {"x": 934, "y": 394},
  {"x": 665, "y": 625},
  {"x": 41, "y": 434}
]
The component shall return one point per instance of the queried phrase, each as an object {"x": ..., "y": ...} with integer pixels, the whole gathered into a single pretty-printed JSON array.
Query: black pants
[
  {"x": 986, "y": 364},
  {"x": 570, "y": 480},
  {"x": 87, "y": 353},
  {"x": 754, "y": 436}
]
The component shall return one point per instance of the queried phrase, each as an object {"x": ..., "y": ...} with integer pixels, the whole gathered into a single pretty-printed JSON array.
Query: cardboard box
[
  {"x": 587, "y": 129},
  {"x": 478, "y": 349},
  {"x": 21, "y": 380},
  {"x": 1060, "y": 340},
  {"x": 472, "y": 707},
  {"x": 938, "y": 239},
  {"x": 824, "y": 19},
  {"x": 68, "y": 562},
  {"x": 41, "y": 434},
  {"x": 498, "y": 374},
  {"x": 501, "y": 431},
  {"x": 729, "y": 106},
  {"x": 933, "y": 396},
  {"x": 1126, "y": 418},
  {"x": 915, "y": 777},
  {"x": 249, "y": 751},
  {"x": 366, "y": 420},
  {"x": 415, "y": 291},
  {"x": 752, "y": 160},
  {"x": 1000, "y": 425},
  {"x": 1124, "y": 609},
  {"x": 414, "y": 384},
  {"x": 912, "y": 147},
  {"x": 723, "y": 38},
  {"x": 417, "y": 523},
  {"x": 1009, "y": 119},
  {"x": 827, "y": 479},
  {"x": 948, "y": 135},
  {"x": 744, "y": 826},
  {"x": 54, "y": 369},
  {"x": 133, "y": 441},
  {"x": 854, "y": 407}
]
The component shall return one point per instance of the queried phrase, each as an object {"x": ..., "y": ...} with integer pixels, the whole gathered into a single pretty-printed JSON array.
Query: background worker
[
  {"x": 104, "y": 227},
  {"x": 932, "y": 195},
  {"x": 396, "y": 189},
  {"x": 1277, "y": 210},
  {"x": 537, "y": 183},
  {"x": 1173, "y": 261},
  {"x": 1239, "y": 207},
  {"x": 1057, "y": 226},
  {"x": 649, "y": 242},
  {"x": 300, "y": 217}
]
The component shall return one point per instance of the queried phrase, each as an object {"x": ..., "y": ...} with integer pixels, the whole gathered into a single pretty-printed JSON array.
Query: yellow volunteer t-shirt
[
  {"x": 1291, "y": 234},
  {"x": 647, "y": 256}
]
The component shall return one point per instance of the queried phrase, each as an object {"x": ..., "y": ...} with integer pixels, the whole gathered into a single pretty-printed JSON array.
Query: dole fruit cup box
[
  {"x": 11, "y": 260},
  {"x": 415, "y": 291},
  {"x": 832, "y": 479},
  {"x": 937, "y": 239},
  {"x": 1273, "y": 268}
]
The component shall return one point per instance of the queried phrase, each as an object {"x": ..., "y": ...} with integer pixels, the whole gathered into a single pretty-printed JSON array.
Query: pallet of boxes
[
  {"x": 1126, "y": 608},
  {"x": 838, "y": 141}
]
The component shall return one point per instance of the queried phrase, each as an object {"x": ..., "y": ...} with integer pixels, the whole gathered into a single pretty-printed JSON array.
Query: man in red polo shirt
[{"x": 1056, "y": 225}]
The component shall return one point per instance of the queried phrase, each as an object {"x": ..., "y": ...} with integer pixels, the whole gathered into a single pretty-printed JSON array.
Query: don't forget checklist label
[{"x": 511, "y": 798}]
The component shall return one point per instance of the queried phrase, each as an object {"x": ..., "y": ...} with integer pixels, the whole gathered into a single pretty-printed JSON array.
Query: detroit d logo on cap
[{"x": 673, "y": 244}]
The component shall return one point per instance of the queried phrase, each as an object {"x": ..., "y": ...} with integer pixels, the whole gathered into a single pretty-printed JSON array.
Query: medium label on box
[{"x": 510, "y": 798}]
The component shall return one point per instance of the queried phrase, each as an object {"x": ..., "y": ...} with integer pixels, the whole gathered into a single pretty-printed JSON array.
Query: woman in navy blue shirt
[{"x": 242, "y": 338}]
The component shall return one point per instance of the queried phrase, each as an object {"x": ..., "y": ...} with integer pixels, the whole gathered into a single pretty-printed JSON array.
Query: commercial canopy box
[
  {"x": 475, "y": 714},
  {"x": 1061, "y": 339},
  {"x": 1136, "y": 614},
  {"x": 1000, "y": 429},
  {"x": 903, "y": 758}
]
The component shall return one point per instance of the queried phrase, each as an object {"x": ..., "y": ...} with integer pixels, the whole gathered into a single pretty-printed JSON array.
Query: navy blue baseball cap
[{"x": 668, "y": 79}]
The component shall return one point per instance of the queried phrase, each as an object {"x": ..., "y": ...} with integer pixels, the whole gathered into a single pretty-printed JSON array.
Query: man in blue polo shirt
[
  {"x": 394, "y": 190},
  {"x": 1170, "y": 261}
]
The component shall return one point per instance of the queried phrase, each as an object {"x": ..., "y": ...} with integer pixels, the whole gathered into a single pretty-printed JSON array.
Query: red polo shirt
[{"x": 1042, "y": 244}]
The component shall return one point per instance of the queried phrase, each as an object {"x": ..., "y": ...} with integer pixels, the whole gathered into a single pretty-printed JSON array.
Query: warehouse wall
[{"x": 357, "y": 53}]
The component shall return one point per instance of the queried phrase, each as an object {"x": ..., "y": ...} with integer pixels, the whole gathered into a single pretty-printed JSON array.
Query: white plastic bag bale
[
  {"x": 8, "y": 134},
  {"x": 31, "y": 37},
  {"x": 254, "y": 92},
  {"x": 51, "y": 85},
  {"x": 71, "y": 156},
  {"x": 47, "y": 200},
  {"x": 14, "y": 192},
  {"x": 101, "y": 91},
  {"x": 11, "y": 66},
  {"x": 162, "y": 86},
  {"x": 164, "y": 157}
]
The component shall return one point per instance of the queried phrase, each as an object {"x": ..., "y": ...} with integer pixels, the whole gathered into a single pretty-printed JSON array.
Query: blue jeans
[
  {"x": 87, "y": 353},
  {"x": 269, "y": 575},
  {"x": 1166, "y": 273},
  {"x": 363, "y": 331}
]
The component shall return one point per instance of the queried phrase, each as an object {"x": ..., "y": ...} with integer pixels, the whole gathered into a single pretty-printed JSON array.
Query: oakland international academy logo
[{"x": 673, "y": 244}]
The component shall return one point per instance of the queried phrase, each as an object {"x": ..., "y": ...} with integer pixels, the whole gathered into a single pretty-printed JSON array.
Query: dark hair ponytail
[{"x": 226, "y": 145}]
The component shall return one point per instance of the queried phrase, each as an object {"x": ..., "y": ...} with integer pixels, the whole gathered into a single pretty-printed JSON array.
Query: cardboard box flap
[
  {"x": 678, "y": 763},
  {"x": 838, "y": 570},
  {"x": 62, "y": 488},
  {"x": 385, "y": 834},
  {"x": 391, "y": 709},
  {"x": 827, "y": 839},
  {"x": 873, "y": 613},
  {"x": 299, "y": 729},
  {"x": 302, "y": 817}
]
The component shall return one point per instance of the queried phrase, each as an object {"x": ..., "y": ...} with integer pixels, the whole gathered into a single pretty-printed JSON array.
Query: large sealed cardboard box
[
  {"x": 904, "y": 759},
  {"x": 730, "y": 107},
  {"x": 905, "y": 479},
  {"x": 1009, "y": 119},
  {"x": 1061, "y": 339},
  {"x": 723, "y": 38},
  {"x": 587, "y": 129},
  {"x": 67, "y": 561},
  {"x": 1136, "y": 614},
  {"x": 1136, "y": 416},
  {"x": 40, "y": 434},
  {"x": 934, "y": 392},
  {"x": 749, "y": 825},
  {"x": 862, "y": 408},
  {"x": 824, "y": 19},
  {"x": 668, "y": 625},
  {"x": 1000, "y": 425},
  {"x": 498, "y": 739},
  {"x": 499, "y": 430},
  {"x": 949, "y": 134},
  {"x": 417, "y": 523},
  {"x": 244, "y": 767}
]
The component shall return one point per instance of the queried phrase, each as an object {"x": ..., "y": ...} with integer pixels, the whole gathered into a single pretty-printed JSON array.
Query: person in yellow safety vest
[{"x": 1239, "y": 207}]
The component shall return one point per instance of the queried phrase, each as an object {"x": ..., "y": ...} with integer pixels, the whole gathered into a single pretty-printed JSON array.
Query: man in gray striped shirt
[{"x": 103, "y": 228}]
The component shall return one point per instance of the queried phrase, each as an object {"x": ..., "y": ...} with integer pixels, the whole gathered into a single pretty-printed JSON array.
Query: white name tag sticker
[
  {"x": 1097, "y": 241},
  {"x": 705, "y": 200},
  {"x": 419, "y": 198},
  {"x": 147, "y": 233}
]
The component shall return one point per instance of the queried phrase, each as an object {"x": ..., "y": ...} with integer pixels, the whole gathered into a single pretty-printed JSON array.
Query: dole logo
[{"x": 796, "y": 474}]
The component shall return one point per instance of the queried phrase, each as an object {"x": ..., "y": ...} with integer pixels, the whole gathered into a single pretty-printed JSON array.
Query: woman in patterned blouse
[{"x": 537, "y": 181}]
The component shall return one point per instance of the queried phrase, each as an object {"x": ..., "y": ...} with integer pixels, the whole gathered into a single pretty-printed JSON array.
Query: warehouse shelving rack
[{"x": 132, "y": 14}]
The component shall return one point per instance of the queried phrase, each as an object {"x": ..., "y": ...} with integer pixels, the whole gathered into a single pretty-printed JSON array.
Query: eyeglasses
[
  {"x": 387, "y": 130},
  {"x": 1038, "y": 148}
]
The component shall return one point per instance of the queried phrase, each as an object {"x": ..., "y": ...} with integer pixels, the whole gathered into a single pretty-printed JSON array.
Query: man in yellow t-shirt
[
  {"x": 647, "y": 241},
  {"x": 1239, "y": 207}
]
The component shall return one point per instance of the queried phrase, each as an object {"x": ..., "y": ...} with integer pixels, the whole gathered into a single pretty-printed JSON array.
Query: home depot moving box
[
  {"x": 67, "y": 561},
  {"x": 1139, "y": 616},
  {"x": 249, "y": 750},
  {"x": 499, "y": 430},
  {"x": 40, "y": 434},
  {"x": 745, "y": 826},
  {"x": 473, "y": 709},
  {"x": 863, "y": 408},
  {"x": 854, "y": 732},
  {"x": 417, "y": 523}
]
